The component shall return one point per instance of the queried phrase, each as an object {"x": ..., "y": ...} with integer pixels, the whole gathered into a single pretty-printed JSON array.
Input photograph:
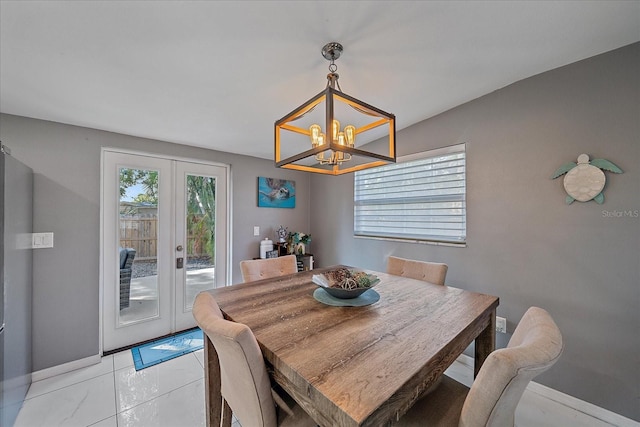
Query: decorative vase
[
  {"x": 282, "y": 234},
  {"x": 300, "y": 249}
]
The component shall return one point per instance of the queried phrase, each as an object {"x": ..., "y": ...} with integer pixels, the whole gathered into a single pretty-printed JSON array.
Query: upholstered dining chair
[
  {"x": 257, "y": 269},
  {"x": 245, "y": 383},
  {"x": 534, "y": 347},
  {"x": 432, "y": 272}
]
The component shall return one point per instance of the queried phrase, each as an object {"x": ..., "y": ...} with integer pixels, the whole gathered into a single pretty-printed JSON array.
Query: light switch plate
[
  {"x": 41, "y": 240},
  {"x": 256, "y": 230}
]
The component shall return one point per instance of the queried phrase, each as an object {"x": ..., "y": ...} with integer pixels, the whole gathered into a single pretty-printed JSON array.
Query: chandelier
[{"x": 311, "y": 139}]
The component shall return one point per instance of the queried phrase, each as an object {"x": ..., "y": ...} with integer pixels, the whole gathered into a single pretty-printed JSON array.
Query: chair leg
[
  {"x": 226, "y": 414},
  {"x": 214, "y": 402}
]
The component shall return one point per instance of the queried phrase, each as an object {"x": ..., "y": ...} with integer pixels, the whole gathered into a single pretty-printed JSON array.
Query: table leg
[
  {"x": 226, "y": 414},
  {"x": 485, "y": 343},
  {"x": 213, "y": 396}
]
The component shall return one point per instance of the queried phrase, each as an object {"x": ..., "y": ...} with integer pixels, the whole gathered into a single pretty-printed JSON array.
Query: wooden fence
[{"x": 141, "y": 234}]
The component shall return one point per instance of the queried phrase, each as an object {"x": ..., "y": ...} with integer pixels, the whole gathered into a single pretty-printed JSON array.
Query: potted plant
[{"x": 297, "y": 242}]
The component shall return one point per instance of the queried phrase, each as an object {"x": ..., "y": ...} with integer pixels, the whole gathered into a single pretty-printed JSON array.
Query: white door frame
[{"x": 227, "y": 212}]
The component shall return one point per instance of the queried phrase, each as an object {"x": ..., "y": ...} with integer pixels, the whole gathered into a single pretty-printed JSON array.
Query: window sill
[{"x": 420, "y": 242}]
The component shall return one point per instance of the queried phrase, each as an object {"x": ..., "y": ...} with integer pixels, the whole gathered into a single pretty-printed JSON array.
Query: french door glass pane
[
  {"x": 200, "y": 235},
  {"x": 138, "y": 241}
]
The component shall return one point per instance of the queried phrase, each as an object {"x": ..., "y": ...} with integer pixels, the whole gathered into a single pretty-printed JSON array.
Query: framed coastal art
[{"x": 276, "y": 193}]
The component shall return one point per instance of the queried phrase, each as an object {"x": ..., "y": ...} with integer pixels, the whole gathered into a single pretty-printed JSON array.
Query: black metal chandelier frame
[{"x": 332, "y": 95}]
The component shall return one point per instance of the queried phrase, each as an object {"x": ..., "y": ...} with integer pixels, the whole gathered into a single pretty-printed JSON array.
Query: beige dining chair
[
  {"x": 432, "y": 272},
  {"x": 257, "y": 269},
  {"x": 535, "y": 346},
  {"x": 245, "y": 383}
]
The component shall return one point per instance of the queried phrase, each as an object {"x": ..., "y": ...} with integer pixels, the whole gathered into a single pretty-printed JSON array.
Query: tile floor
[
  {"x": 113, "y": 394},
  {"x": 171, "y": 394}
]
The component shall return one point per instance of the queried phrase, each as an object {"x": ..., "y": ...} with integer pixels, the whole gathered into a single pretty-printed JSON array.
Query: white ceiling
[{"x": 217, "y": 74}]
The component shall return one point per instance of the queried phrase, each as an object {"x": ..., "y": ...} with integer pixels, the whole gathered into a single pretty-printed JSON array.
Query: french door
[{"x": 165, "y": 238}]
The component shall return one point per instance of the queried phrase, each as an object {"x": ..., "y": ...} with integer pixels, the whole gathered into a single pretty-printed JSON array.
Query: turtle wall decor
[{"x": 585, "y": 180}]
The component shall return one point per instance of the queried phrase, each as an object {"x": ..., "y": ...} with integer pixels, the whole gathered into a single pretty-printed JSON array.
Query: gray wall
[
  {"x": 524, "y": 244},
  {"x": 66, "y": 163}
]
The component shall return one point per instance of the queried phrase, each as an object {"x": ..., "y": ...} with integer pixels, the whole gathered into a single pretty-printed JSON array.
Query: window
[{"x": 420, "y": 198}]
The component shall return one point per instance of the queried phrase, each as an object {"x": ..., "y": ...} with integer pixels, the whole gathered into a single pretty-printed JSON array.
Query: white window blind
[{"x": 422, "y": 197}]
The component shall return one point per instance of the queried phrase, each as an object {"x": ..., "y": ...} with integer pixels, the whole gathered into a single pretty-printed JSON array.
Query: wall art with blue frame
[{"x": 276, "y": 193}]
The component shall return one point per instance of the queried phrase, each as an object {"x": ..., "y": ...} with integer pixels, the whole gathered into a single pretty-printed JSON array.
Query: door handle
[
  {"x": 179, "y": 262},
  {"x": 179, "y": 248}
]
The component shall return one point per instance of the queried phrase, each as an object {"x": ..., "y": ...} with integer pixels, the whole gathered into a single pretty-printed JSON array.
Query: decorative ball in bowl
[{"x": 345, "y": 283}]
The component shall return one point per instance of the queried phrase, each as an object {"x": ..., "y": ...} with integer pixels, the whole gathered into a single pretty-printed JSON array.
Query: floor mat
[{"x": 164, "y": 349}]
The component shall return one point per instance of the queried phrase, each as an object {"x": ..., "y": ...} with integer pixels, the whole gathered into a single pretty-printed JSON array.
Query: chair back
[
  {"x": 431, "y": 272},
  {"x": 126, "y": 257},
  {"x": 534, "y": 347},
  {"x": 258, "y": 269},
  {"x": 245, "y": 383}
]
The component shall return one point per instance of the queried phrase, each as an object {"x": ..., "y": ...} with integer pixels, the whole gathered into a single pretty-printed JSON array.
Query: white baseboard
[
  {"x": 581, "y": 406},
  {"x": 65, "y": 367},
  {"x": 570, "y": 402}
]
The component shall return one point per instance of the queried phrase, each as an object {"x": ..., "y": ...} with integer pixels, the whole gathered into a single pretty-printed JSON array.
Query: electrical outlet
[
  {"x": 501, "y": 324},
  {"x": 256, "y": 230}
]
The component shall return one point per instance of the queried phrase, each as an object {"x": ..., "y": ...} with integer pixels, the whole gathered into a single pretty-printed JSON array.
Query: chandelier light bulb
[
  {"x": 350, "y": 135},
  {"x": 314, "y": 134},
  {"x": 335, "y": 129}
]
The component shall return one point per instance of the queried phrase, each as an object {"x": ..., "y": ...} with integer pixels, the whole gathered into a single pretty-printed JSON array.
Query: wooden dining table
[{"x": 354, "y": 366}]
